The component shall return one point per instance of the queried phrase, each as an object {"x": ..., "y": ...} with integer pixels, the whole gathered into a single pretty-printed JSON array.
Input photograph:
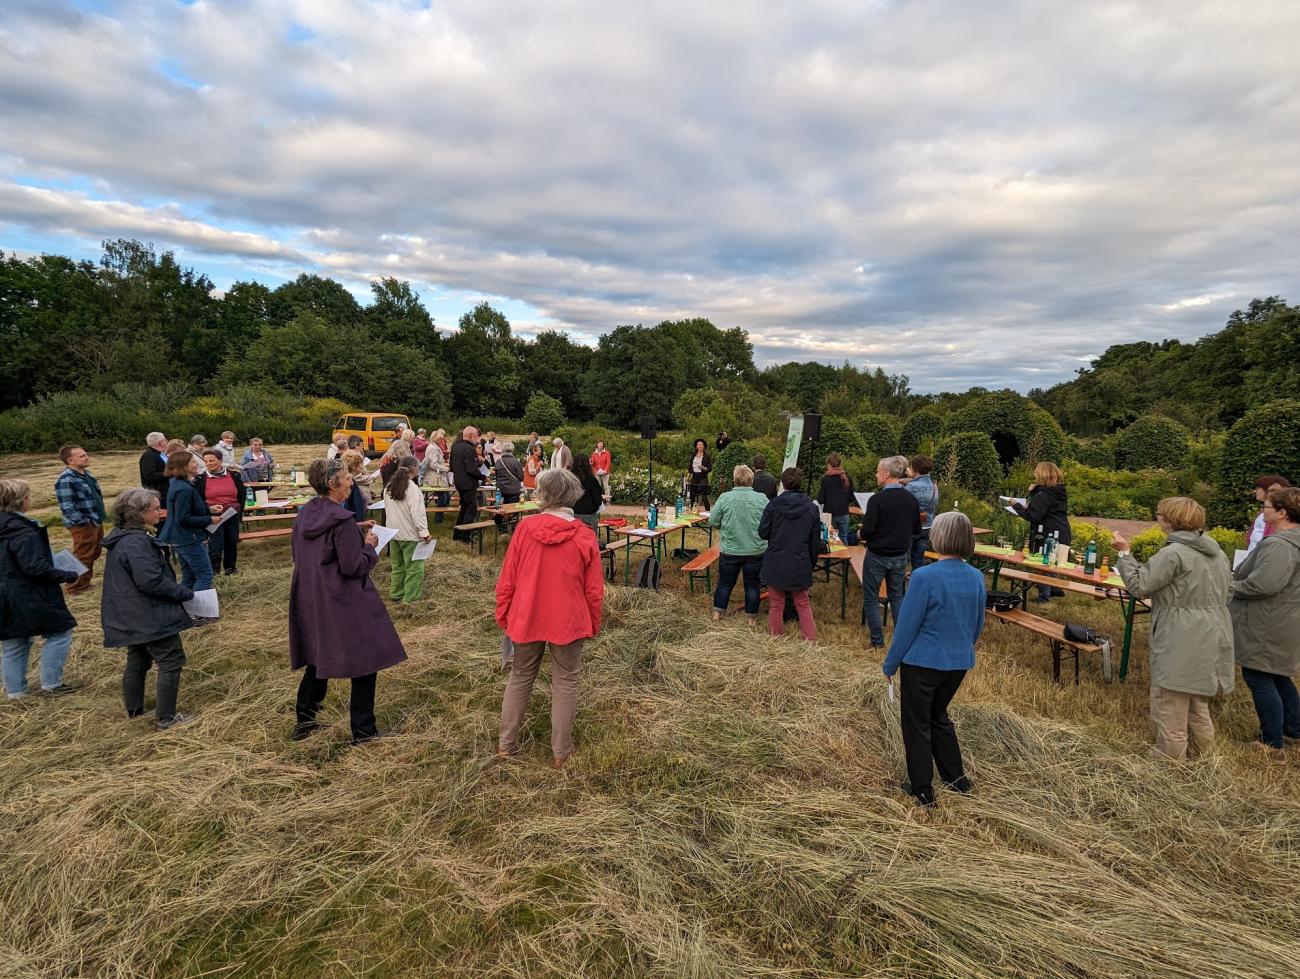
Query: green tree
[
  {"x": 837, "y": 435},
  {"x": 1264, "y": 441},
  {"x": 1152, "y": 442},
  {"x": 482, "y": 357},
  {"x": 923, "y": 427},
  {"x": 635, "y": 371},
  {"x": 246, "y": 310},
  {"x": 968, "y": 460},
  {"x": 879, "y": 434},
  {"x": 396, "y": 315},
  {"x": 544, "y": 414},
  {"x": 321, "y": 297},
  {"x": 554, "y": 363}
]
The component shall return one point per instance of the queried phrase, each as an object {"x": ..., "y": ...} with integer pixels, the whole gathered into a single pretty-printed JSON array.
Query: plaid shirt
[{"x": 79, "y": 498}]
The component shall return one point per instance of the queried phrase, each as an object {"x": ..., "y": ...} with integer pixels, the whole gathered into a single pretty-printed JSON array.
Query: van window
[
  {"x": 387, "y": 423},
  {"x": 355, "y": 423},
  {"x": 341, "y": 423}
]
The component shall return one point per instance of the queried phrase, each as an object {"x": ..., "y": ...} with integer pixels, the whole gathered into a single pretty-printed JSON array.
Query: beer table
[
  {"x": 510, "y": 513},
  {"x": 655, "y": 539},
  {"x": 836, "y": 563}
]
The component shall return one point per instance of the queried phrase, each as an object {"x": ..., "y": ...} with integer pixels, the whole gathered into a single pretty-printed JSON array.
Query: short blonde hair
[
  {"x": 1048, "y": 474},
  {"x": 557, "y": 488},
  {"x": 742, "y": 475},
  {"x": 952, "y": 535},
  {"x": 1181, "y": 513},
  {"x": 12, "y": 494},
  {"x": 353, "y": 460}
]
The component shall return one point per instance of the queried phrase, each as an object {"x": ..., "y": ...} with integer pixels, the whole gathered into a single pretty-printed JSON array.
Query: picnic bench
[
  {"x": 702, "y": 567},
  {"x": 1053, "y": 632},
  {"x": 474, "y": 532},
  {"x": 608, "y": 553}
]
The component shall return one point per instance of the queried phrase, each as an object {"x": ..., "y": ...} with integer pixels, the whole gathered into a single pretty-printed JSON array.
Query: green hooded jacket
[
  {"x": 1266, "y": 605},
  {"x": 1187, "y": 582}
]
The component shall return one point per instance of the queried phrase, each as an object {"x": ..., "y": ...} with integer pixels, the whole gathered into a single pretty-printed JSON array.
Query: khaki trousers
[
  {"x": 1177, "y": 717},
  {"x": 565, "y": 663},
  {"x": 86, "y": 539}
]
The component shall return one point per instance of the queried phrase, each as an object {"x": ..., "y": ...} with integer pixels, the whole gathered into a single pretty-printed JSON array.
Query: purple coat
[{"x": 337, "y": 621}]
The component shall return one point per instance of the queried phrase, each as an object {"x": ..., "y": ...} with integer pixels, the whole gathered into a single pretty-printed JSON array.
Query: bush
[
  {"x": 921, "y": 431},
  {"x": 1005, "y": 414},
  {"x": 1081, "y": 532},
  {"x": 725, "y": 462},
  {"x": 543, "y": 413},
  {"x": 629, "y": 485},
  {"x": 968, "y": 460},
  {"x": 1145, "y": 544},
  {"x": 1117, "y": 494},
  {"x": 879, "y": 434},
  {"x": 837, "y": 435},
  {"x": 1095, "y": 452},
  {"x": 1152, "y": 442},
  {"x": 1265, "y": 440}
]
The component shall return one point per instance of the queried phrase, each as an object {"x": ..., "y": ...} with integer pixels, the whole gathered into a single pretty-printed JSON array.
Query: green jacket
[
  {"x": 1266, "y": 605},
  {"x": 738, "y": 512},
  {"x": 1187, "y": 582}
]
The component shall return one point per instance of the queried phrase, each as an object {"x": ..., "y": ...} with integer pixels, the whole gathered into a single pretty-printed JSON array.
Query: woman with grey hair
[
  {"x": 934, "y": 645},
  {"x": 737, "y": 514},
  {"x": 509, "y": 473},
  {"x": 142, "y": 607},
  {"x": 550, "y": 592},
  {"x": 31, "y": 601}
]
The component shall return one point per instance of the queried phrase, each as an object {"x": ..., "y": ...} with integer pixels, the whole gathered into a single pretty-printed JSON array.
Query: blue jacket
[
  {"x": 187, "y": 514},
  {"x": 941, "y": 617}
]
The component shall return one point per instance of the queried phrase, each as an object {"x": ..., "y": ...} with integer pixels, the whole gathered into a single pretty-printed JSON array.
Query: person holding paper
[
  {"x": 836, "y": 495},
  {"x": 1049, "y": 508},
  {"x": 338, "y": 624},
  {"x": 466, "y": 478},
  {"x": 143, "y": 605},
  {"x": 550, "y": 593},
  {"x": 31, "y": 602},
  {"x": 933, "y": 647},
  {"x": 1187, "y": 583},
  {"x": 188, "y": 519},
  {"x": 404, "y": 513},
  {"x": 358, "y": 501},
  {"x": 1261, "y": 528},
  {"x": 223, "y": 491}
]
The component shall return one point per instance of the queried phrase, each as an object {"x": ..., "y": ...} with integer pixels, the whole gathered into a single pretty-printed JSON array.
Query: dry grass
[{"x": 731, "y": 813}]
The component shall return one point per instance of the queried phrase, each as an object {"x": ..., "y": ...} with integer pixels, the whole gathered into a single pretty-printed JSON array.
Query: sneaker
[
  {"x": 60, "y": 690},
  {"x": 923, "y": 799},
  {"x": 172, "y": 721},
  {"x": 232, "y": 572},
  {"x": 303, "y": 730}
]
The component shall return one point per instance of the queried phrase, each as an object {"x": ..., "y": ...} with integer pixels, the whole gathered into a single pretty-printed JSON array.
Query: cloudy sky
[{"x": 969, "y": 193}]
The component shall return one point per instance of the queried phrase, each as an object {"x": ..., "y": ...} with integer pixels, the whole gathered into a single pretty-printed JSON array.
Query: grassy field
[{"x": 731, "y": 810}]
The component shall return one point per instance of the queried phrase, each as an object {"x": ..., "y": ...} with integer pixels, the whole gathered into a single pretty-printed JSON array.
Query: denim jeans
[
  {"x": 841, "y": 525},
  {"x": 920, "y": 544},
  {"x": 876, "y": 569},
  {"x": 54, "y": 653},
  {"x": 1276, "y": 702},
  {"x": 441, "y": 499},
  {"x": 196, "y": 566},
  {"x": 731, "y": 567}
]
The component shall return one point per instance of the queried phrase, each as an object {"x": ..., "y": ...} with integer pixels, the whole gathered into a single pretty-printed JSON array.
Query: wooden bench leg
[{"x": 1056, "y": 662}]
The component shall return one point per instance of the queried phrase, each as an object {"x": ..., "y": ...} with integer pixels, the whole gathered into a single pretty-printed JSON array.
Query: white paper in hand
[
  {"x": 385, "y": 534},
  {"x": 204, "y": 604},
  {"x": 890, "y": 687},
  {"x": 377, "y": 505},
  {"x": 424, "y": 550},
  {"x": 66, "y": 561},
  {"x": 862, "y": 499},
  {"x": 222, "y": 517},
  {"x": 1237, "y": 558}
]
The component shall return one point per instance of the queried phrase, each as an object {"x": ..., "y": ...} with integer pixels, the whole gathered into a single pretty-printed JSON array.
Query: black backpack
[{"x": 648, "y": 573}]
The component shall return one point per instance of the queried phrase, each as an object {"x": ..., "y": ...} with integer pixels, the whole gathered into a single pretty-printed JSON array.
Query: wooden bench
[
  {"x": 702, "y": 567},
  {"x": 1027, "y": 578},
  {"x": 1054, "y": 632},
  {"x": 264, "y": 534},
  {"x": 475, "y": 532},
  {"x": 609, "y": 551},
  {"x": 259, "y": 517}
]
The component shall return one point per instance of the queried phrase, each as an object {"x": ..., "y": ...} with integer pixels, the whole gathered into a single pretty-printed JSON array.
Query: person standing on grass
[
  {"x": 31, "y": 603},
  {"x": 338, "y": 625},
  {"x": 697, "y": 474},
  {"x": 82, "y": 505},
  {"x": 933, "y": 647},
  {"x": 143, "y": 605},
  {"x": 587, "y": 506},
  {"x": 466, "y": 478},
  {"x": 737, "y": 513},
  {"x": 152, "y": 463},
  {"x": 1261, "y": 528},
  {"x": 891, "y": 521},
  {"x": 436, "y": 473},
  {"x": 509, "y": 473},
  {"x": 836, "y": 495},
  {"x": 534, "y": 465},
  {"x": 420, "y": 444},
  {"x": 257, "y": 466},
  {"x": 188, "y": 519},
  {"x": 340, "y": 445},
  {"x": 792, "y": 528},
  {"x": 601, "y": 463},
  {"x": 1187, "y": 583},
  {"x": 549, "y": 593},
  {"x": 358, "y": 500},
  {"x": 1265, "y": 612},
  {"x": 223, "y": 488},
  {"x": 404, "y": 513},
  {"x": 562, "y": 457},
  {"x": 920, "y": 485},
  {"x": 226, "y": 446},
  {"x": 1047, "y": 506},
  {"x": 764, "y": 481}
]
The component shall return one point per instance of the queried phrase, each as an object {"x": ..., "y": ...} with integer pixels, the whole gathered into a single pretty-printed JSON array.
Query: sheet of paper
[
  {"x": 890, "y": 688},
  {"x": 1015, "y": 499},
  {"x": 223, "y": 516},
  {"x": 376, "y": 505},
  {"x": 273, "y": 504},
  {"x": 385, "y": 534},
  {"x": 643, "y": 532},
  {"x": 204, "y": 604},
  {"x": 66, "y": 561},
  {"x": 1237, "y": 558},
  {"x": 424, "y": 550},
  {"x": 862, "y": 500}
]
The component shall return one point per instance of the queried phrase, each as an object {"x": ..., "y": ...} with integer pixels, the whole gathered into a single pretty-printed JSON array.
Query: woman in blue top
[
  {"x": 934, "y": 645},
  {"x": 188, "y": 518}
]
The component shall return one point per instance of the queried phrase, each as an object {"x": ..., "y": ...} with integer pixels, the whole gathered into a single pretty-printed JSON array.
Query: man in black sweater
[
  {"x": 764, "y": 481},
  {"x": 891, "y": 520},
  {"x": 466, "y": 477}
]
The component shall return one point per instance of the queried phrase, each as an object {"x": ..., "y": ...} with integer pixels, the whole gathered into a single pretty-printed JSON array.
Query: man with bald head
[
  {"x": 152, "y": 464},
  {"x": 466, "y": 477}
]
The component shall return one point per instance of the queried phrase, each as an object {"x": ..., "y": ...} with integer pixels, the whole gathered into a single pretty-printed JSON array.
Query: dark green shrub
[
  {"x": 922, "y": 430},
  {"x": 1265, "y": 441},
  {"x": 725, "y": 462},
  {"x": 1017, "y": 427},
  {"x": 968, "y": 461},
  {"x": 837, "y": 435},
  {"x": 879, "y": 433},
  {"x": 1095, "y": 452},
  {"x": 1152, "y": 442},
  {"x": 543, "y": 413}
]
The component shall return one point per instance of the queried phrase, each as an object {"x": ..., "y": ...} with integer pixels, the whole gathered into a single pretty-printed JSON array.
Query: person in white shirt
[
  {"x": 339, "y": 446},
  {"x": 226, "y": 446},
  {"x": 404, "y": 512},
  {"x": 1259, "y": 530},
  {"x": 562, "y": 457}
]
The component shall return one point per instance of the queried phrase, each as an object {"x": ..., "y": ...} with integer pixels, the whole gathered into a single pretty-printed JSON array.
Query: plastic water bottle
[
  {"x": 250, "y": 498},
  {"x": 293, "y": 474},
  {"x": 826, "y": 536},
  {"x": 652, "y": 516},
  {"x": 499, "y": 497},
  {"x": 681, "y": 506}
]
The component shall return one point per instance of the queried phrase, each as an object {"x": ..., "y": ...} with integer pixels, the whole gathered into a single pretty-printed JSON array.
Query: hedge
[
  {"x": 837, "y": 435},
  {"x": 923, "y": 429},
  {"x": 1153, "y": 442},
  {"x": 1265, "y": 441},
  {"x": 968, "y": 460},
  {"x": 1145, "y": 544},
  {"x": 879, "y": 434},
  {"x": 1037, "y": 434}
]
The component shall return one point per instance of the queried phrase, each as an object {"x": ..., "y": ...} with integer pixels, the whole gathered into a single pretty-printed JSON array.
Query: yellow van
[{"x": 377, "y": 429}]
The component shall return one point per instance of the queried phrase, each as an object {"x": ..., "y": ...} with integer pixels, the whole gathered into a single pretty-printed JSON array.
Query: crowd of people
[{"x": 1207, "y": 618}]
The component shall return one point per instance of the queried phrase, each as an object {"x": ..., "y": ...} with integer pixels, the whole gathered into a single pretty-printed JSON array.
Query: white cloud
[{"x": 967, "y": 193}]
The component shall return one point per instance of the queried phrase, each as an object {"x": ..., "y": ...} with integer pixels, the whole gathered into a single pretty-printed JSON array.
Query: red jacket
[
  {"x": 552, "y": 584},
  {"x": 600, "y": 460}
]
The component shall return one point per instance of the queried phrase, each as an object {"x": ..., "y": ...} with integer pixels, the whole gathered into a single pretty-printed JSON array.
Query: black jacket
[
  {"x": 765, "y": 483},
  {"x": 890, "y": 522},
  {"x": 1047, "y": 505},
  {"x": 700, "y": 478},
  {"x": 151, "y": 472},
  {"x": 187, "y": 513},
  {"x": 792, "y": 528},
  {"x": 510, "y": 475},
  {"x": 464, "y": 467},
  {"x": 142, "y": 601},
  {"x": 593, "y": 495},
  {"x": 836, "y": 494},
  {"x": 31, "y": 602}
]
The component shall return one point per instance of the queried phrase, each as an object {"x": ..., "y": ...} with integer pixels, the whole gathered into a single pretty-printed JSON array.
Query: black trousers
[
  {"x": 468, "y": 511},
  {"x": 169, "y": 654},
  {"x": 312, "y": 690},
  {"x": 223, "y": 546},
  {"x": 929, "y": 738}
]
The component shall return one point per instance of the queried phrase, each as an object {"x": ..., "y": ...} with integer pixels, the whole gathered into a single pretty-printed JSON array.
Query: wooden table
[
  {"x": 654, "y": 539},
  {"x": 837, "y": 564}
]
